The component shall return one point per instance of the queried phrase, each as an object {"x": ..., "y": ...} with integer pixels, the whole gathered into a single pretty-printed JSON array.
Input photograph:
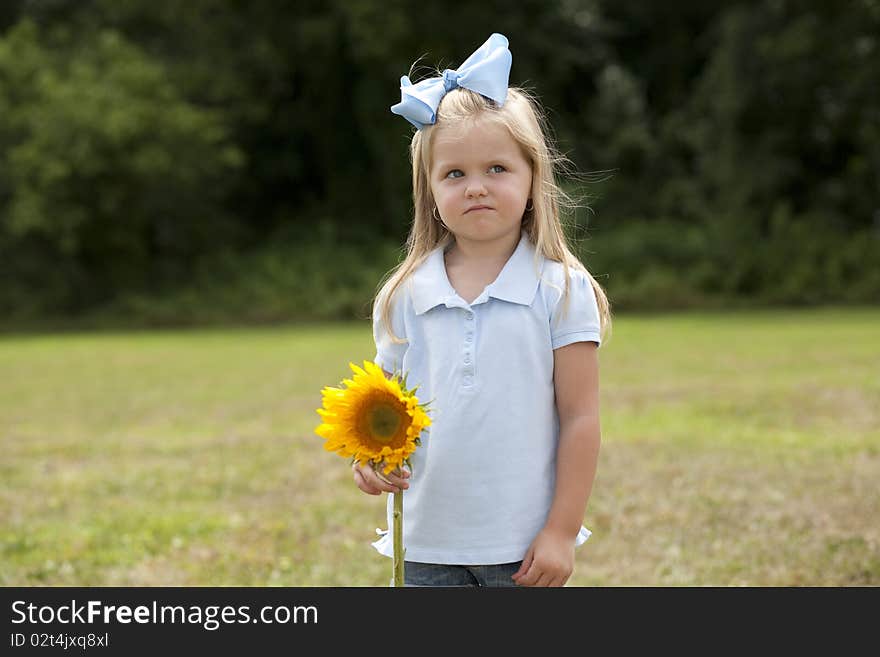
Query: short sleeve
[
  {"x": 581, "y": 321},
  {"x": 389, "y": 354}
]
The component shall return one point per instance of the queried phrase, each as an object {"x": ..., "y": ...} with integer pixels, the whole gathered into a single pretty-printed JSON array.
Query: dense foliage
[{"x": 207, "y": 160}]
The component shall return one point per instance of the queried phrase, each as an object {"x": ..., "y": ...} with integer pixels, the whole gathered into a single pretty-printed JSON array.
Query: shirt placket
[{"x": 468, "y": 359}]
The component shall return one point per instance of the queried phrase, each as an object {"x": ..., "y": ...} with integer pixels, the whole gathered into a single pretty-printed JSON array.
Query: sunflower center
[{"x": 384, "y": 421}]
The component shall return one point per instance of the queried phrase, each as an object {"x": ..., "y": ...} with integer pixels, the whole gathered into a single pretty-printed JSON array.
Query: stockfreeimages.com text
[{"x": 211, "y": 617}]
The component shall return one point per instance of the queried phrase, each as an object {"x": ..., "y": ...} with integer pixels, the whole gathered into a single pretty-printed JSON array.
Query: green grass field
[{"x": 738, "y": 449}]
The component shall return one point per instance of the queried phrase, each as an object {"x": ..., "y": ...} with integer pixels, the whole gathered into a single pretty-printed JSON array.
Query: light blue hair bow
[{"x": 486, "y": 71}]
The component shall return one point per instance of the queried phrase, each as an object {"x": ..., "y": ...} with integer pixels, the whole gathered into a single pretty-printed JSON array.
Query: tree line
[{"x": 213, "y": 160}]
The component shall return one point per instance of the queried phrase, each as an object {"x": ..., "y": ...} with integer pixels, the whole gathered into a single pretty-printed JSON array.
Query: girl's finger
[
  {"x": 387, "y": 483},
  {"x": 524, "y": 566},
  {"x": 363, "y": 484},
  {"x": 377, "y": 481},
  {"x": 396, "y": 479},
  {"x": 543, "y": 580}
]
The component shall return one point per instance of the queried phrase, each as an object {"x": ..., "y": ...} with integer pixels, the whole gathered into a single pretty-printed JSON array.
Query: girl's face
[{"x": 480, "y": 179}]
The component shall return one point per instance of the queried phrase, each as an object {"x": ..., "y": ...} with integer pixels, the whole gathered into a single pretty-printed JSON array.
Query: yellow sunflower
[{"x": 373, "y": 419}]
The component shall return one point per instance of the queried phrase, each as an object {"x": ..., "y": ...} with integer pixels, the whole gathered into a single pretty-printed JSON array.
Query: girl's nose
[{"x": 475, "y": 189}]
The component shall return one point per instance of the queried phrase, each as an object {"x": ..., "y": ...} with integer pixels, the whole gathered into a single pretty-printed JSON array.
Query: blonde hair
[{"x": 525, "y": 120}]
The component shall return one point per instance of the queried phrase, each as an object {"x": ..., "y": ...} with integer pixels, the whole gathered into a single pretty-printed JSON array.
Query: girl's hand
[
  {"x": 549, "y": 560},
  {"x": 375, "y": 483}
]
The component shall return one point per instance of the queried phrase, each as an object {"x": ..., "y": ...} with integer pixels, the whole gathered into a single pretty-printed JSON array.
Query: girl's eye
[
  {"x": 497, "y": 166},
  {"x": 454, "y": 171}
]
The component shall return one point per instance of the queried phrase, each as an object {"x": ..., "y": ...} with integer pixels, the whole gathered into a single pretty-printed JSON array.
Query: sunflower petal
[{"x": 358, "y": 418}]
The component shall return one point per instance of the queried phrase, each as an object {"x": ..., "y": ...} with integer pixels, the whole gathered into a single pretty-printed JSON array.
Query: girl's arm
[{"x": 550, "y": 559}]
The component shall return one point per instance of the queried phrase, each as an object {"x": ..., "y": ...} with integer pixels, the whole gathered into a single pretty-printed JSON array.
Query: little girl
[{"x": 498, "y": 324}]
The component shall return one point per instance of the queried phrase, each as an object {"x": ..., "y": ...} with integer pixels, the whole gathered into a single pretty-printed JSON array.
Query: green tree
[{"x": 106, "y": 171}]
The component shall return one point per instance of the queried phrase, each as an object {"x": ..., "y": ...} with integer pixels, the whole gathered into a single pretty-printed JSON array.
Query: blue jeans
[{"x": 439, "y": 574}]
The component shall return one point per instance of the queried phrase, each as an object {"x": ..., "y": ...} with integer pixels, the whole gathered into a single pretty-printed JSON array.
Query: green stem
[{"x": 398, "y": 538}]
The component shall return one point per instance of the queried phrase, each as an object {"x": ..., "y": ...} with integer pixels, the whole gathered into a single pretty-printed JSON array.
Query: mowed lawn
[{"x": 738, "y": 449}]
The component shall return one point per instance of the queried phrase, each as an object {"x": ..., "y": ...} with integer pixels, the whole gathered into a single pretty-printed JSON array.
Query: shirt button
[
  {"x": 467, "y": 361},
  {"x": 469, "y": 315},
  {"x": 469, "y": 337}
]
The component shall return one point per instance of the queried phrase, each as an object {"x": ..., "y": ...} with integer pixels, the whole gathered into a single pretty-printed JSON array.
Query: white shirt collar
[{"x": 517, "y": 282}]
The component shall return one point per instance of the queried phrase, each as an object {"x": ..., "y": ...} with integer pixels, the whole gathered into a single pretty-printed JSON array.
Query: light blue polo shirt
[{"x": 483, "y": 478}]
